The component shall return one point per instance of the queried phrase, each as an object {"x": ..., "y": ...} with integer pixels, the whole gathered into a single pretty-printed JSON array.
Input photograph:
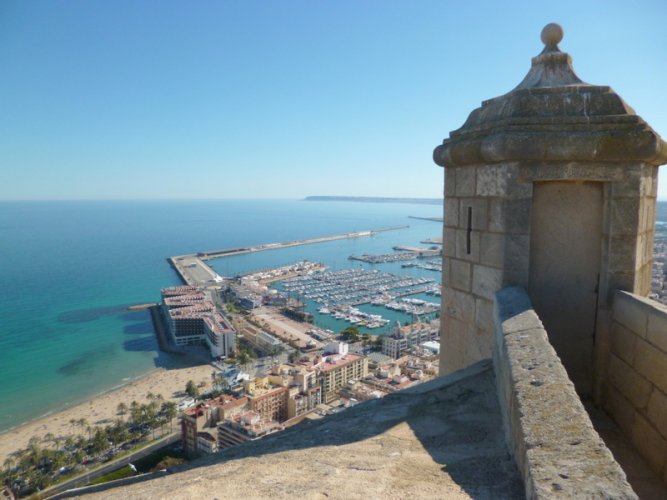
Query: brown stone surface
[
  {"x": 548, "y": 429},
  {"x": 651, "y": 445},
  {"x": 620, "y": 409},
  {"x": 443, "y": 439},
  {"x": 651, "y": 363},
  {"x": 657, "y": 411},
  {"x": 647, "y": 484},
  {"x": 657, "y": 327},
  {"x": 632, "y": 385},
  {"x": 623, "y": 343}
]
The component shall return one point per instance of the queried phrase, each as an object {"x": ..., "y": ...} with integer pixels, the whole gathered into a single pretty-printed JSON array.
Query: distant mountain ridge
[{"x": 374, "y": 199}]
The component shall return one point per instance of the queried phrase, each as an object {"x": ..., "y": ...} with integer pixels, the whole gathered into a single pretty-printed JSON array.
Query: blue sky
[{"x": 282, "y": 99}]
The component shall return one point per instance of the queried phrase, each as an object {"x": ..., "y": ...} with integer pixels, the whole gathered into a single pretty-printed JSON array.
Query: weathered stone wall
[
  {"x": 486, "y": 247},
  {"x": 636, "y": 390},
  {"x": 492, "y": 249},
  {"x": 547, "y": 429}
]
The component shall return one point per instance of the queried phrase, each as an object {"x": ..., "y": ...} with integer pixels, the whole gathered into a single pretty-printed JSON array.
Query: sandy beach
[{"x": 100, "y": 410}]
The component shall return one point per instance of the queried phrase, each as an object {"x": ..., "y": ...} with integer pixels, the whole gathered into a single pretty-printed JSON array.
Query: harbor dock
[
  {"x": 433, "y": 219},
  {"x": 193, "y": 270},
  {"x": 274, "y": 246}
]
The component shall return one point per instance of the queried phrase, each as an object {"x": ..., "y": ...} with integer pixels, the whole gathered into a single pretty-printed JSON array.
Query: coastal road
[{"x": 84, "y": 478}]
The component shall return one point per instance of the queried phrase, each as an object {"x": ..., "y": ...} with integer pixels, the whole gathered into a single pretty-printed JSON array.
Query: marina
[
  {"x": 338, "y": 293},
  {"x": 388, "y": 257},
  {"x": 429, "y": 265},
  {"x": 402, "y": 253}
]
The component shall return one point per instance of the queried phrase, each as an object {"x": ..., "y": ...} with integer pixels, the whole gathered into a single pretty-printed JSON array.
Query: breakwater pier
[{"x": 193, "y": 270}]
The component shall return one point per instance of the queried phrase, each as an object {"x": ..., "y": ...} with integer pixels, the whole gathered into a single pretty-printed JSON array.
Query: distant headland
[{"x": 374, "y": 199}]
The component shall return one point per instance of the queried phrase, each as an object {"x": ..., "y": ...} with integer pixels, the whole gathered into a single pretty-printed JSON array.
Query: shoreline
[
  {"x": 100, "y": 409},
  {"x": 77, "y": 402}
]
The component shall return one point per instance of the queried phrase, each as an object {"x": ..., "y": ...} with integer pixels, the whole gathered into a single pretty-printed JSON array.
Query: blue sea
[{"x": 69, "y": 270}]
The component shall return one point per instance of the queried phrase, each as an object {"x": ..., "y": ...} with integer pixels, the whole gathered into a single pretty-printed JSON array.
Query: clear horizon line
[{"x": 301, "y": 198}]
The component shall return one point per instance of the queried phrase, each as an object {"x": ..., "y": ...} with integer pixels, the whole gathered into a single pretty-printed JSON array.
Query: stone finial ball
[{"x": 552, "y": 34}]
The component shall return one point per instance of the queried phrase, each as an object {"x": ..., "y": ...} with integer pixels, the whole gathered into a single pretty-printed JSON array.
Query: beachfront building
[{"x": 192, "y": 319}]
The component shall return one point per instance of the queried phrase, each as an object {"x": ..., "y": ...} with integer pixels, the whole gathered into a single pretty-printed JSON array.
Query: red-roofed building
[{"x": 204, "y": 417}]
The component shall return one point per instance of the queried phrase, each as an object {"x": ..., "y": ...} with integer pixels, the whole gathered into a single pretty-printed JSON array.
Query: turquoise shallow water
[{"x": 68, "y": 271}]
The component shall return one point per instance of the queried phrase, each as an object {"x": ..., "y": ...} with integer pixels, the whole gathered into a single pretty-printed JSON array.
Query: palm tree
[
  {"x": 134, "y": 412},
  {"x": 33, "y": 443},
  {"x": 69, "y": 442},
  {"x": 49, "y": 437},
  {"x": 220, "y": 383},
  {"x": 83, "y": 423},
  {"x": 169, "y": 411},
  {"x": 243, "y": 359},
  {"x": 365, "y": 339},
  {"x": 121, "y": 408},
  {"x": 9, "y": 463},
  {"x": 191, "y": 389},
  {"x": 57, "y": 440}
]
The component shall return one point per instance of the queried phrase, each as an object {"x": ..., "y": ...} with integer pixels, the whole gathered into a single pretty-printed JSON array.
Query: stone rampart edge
[{"x": 547, "y": 429}]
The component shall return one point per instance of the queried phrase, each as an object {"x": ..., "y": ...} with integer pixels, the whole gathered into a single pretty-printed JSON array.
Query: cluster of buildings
[
  {"x": 260, "y": 339},
  {"x": 251, "y": 291},
  {"x": 191, "y": 319},
  {"x": 659, "y": 276},
  {"x": 314, "y": 385}
]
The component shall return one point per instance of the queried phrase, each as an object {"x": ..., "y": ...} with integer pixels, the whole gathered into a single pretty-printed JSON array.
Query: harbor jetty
[
  {"x": 274, "y": 246},
  {"x": 193, "y": 270},
  {"x": 433, "y": 219},
  {"x": 141, "y": 307}
]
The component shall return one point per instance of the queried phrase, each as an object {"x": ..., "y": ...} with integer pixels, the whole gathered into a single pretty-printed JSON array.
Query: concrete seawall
[{"x": 193, "y": 270}]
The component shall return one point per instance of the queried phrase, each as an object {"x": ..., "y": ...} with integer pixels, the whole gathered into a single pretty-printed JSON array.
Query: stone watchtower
[{"x": 551, "y": 186}]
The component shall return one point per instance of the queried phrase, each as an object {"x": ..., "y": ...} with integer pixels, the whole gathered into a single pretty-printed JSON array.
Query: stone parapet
[{"x": 547, "y": 429}]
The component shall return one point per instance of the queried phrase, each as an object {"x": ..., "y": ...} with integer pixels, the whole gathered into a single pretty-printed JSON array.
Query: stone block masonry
[
  {"x": 486, "y": 226},
  {"x": 636, "y": 389},
  {"x": 547, "y": 429},
  {"x": 551, "y": 186}
]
